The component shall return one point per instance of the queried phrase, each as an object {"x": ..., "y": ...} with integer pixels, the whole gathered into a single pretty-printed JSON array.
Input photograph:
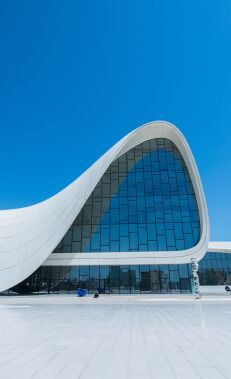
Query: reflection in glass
[
  {"x": 214, "y": 269},
  {"x": 145, "y": 201}
]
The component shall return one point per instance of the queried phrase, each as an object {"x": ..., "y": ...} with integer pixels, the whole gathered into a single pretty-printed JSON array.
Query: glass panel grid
[
  {"x": 144, "y": 202},
  {"x": 214, "y": 269}
]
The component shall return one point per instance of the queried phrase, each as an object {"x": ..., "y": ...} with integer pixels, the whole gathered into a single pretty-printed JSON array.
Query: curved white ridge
[
  {"x": 29, "y": 235},
  {"x": 219, "y": 247}
]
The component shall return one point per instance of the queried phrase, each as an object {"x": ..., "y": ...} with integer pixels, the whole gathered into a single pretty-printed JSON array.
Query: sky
[{"x": 76, "y": 76}]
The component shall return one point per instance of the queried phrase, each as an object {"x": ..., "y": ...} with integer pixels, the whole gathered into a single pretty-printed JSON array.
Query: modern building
[{"x": 130, "y": 224}]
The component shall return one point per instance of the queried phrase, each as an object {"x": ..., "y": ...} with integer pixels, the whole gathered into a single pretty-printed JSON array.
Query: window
[{"x": 144, "y": 202}]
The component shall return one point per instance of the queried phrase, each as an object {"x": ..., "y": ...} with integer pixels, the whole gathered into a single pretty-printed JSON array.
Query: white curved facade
[{"x": 29, "y": 235}]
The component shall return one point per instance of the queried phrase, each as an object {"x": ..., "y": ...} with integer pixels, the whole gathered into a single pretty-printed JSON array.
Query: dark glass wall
[
  {"x": 214, "y": 269},
  {"x": 145, "y": 201},
  {"x": 108, "y": 279}
]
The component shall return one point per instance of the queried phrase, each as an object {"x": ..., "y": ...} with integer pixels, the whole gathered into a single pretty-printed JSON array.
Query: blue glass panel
[
  {"x": 104, "y": 272},
  {"x": 105, "y": 237},
  {"x": 84, "y": 270},
  {"x": 124, "y": 244},
  {"x": 132, "y": 208},
  {"x": 95, "y": 242},
  {"x": 160, "y": 229},
  {"x": 114, "y": 216},
  {"x": 133, "y": 228},
  {"x": 180, "y": 245},
  {"x": 161, "y": 243},
  {"x": 105, "y": 248},
  {"x": 123, "y": 230},
  {"x": 170, "y": 238},
  {"x": 151, "y": 228},
  {"x": 94, "y": 272},
  {"x": 144, "y": 201},
  {"x": 152, "y": 246},
  {"x": 188, "y": 240},
  {"x": 114, "y": 246},
  {"x": 187, "y": 228},
  {"x": 74, "y": 273},
  {"x": 143, "y": 238},
  {"x": 114, "y": 232},
  {"x": 133, "y": 241},
  {"x": 178, "y": 230}
]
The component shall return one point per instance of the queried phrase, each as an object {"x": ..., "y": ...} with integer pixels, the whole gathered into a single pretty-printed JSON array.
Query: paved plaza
[{"x": 116, "y": 336}]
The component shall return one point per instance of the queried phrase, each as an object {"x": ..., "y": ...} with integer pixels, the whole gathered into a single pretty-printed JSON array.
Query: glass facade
[
  {"x": 214, "y": 269},
  {"x": 108, "y": 279},
  {"x": 145, "y": 201}
]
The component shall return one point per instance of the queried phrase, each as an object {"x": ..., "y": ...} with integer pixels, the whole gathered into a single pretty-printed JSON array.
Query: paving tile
[
  {"x": 140, "y": 336},
  {"x": 210, "y": 373}
]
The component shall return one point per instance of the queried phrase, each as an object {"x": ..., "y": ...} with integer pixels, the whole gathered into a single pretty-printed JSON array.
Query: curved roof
[
  {"x": 29, "y": 235},
  {"x": 219, "y": 246}
]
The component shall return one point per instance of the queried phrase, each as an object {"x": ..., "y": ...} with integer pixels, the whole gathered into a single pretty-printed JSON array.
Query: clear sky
[{"x": 76, "y": 76}]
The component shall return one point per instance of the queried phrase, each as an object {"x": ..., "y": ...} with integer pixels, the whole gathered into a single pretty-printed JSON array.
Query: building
[{"x": 129, "y": 224}]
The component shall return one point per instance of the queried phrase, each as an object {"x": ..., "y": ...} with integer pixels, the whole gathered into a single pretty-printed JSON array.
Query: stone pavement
[{"x": 116, "y": 336}]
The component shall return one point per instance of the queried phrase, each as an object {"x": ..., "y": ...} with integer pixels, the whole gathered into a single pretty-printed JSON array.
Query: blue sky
[{"x": 76, "y": 76}]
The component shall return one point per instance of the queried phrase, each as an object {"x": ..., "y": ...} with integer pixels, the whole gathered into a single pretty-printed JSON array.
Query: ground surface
[{"x": 116, "y": 336}]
